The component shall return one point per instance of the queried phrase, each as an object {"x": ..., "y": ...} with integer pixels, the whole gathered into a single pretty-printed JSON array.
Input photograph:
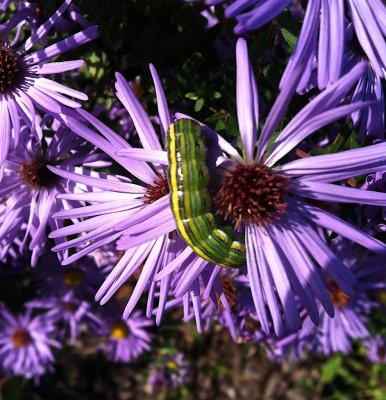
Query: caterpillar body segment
[{"x": 188, "y": 179}]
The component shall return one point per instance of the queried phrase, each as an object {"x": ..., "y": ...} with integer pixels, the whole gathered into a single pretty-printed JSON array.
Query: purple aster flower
[
  {"x": 23, "y": 85},
  {"x": 70, "y": 313},
  {"x": 277, "y": 209},
  {"x": 168, "y": 372},
  {"x": 124, "y": 340},
  {"x": 29, "y": 189},
  {"x": 375, "y": 216},
  {"x": 376, "y": 349},
  {"x": 81, "y": 278},
  {"x": 26, "y": 343}
]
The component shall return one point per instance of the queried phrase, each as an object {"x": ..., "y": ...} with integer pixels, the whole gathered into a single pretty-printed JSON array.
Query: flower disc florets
[
  {"x": 8, "y": 66},
  {"x": 159, "y": 189},
  {"x": 251, "y": 194},
  {"x": 37, "y": 175},
  {"x": 20, "y": 338},
  {"x": 119, "y": 330},
  {"x": 337, "y": 296},
  {"x": 73, "y": 276},
  {"x": 230, "y": 291}
]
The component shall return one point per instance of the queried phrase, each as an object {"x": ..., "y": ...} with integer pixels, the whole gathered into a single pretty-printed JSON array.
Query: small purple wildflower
[
  {"x": 168, "y": 372},
  {"x": 81, "y": 278},
  {"x": 26, "y": 343},
  {"x": 124, "y": 340},
  {"x": 376, "y": 349},
  {"x": 70, "y": 313},
  {"x": 126, "y": 125}
]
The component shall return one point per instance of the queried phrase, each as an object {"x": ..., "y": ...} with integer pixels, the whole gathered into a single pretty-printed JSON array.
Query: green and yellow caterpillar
[{"x": 188, "y": 179}]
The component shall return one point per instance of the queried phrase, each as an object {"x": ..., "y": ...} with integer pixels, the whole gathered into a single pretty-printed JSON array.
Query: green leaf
[
  {"x": 231, "y": 126},
  {"x": 192, "y": 96},
  {"x": 289, "y": 37},
  {"x": 199, "y": 104},
  {"x": 331, "y": 369}
]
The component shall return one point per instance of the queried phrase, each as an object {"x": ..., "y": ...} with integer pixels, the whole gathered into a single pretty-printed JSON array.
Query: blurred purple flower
[
  {"x": 127, "y": 128},
  {"x": 26, "y": 343},
  {"x": 81, "y": 278},
  {"x": 376, "y": 349},
  {"x": 168, "y": 372},
  {"x": 69, "y": 312},
  {"x": 22, "y": 85},
  {"x": 124, "y": 340}
]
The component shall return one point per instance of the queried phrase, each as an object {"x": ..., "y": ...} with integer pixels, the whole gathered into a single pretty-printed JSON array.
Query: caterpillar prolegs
[{"x": 188, "y": 179}]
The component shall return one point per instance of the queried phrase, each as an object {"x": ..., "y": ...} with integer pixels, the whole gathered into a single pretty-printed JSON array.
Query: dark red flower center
[
  {"x": 8, "y": 66},
  {"x": 37, "y": 175},
  {"x": 159, "y": 189},
  {"x": 230, "y": 290},
  {"x": 20, "y": 338},
  {"x": 251, "y": 194},
  {"x": 69, "y": 307}
]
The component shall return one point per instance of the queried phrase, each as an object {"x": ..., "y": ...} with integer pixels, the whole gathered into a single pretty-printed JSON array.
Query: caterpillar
[{"x": 188, "y": 179}]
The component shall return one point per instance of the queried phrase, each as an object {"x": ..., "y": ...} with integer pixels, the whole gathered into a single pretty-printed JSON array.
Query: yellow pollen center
[
  {"x": 119, "y": 330},
  {"x": 73, "y": 276}
]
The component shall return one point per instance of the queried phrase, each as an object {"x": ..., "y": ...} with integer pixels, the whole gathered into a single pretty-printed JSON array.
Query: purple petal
[
  {"x": 336, "y": 193},
  {"x": 163, "y": 110},
  {"x": 151, "y": 264},
  {"x": 5, "y": 130},
  {"x": 140, "y": 119},
  {"x": 152, "y": 156},
  {"x": 338, "y": 166},
  {"x": 80, "y": 38},
  {"x": 292, "y": 135},
  {"x": 246, "y": 99},
  {"x": 337, "y": 225},
  {"x": 43, "y": 29},
  {"x": 57, "y": 67}
]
